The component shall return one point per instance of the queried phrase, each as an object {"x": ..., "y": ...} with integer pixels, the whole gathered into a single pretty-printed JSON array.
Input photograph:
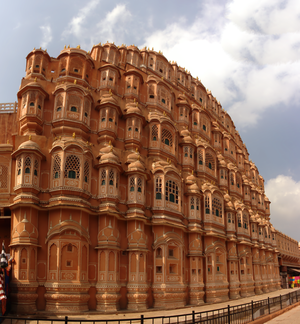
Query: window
[
  {"x": 171, "y": 253},
  {"x": 229, "y": 217},
  {"x": 72, "y": 167},
  {"x": 204, "y": 128},
  {"x": 207, "y": 205},
  {"x": 172, "y": 191},
  {"x": 200, "y": 157},
  {"x": 167, "y": 137},
  {"x": 132, "y": 184},
  {"x": 111, "y": 177},
  {"x": 73, "y": 108},
  {"x": 154, "y": 132},
  {"x": 36, "y": 167},
  {"x": 139, "y": 184},
  {"x": 158, "y": 188},
  {"x": 239, "y": 221},
  {"x": 217, "y": 207},
  {"x": 159, "y": 269},
  {"x": 27, "y": 164},
  {"x": 56, "y": 167},
  {"x": 86, "y": 171},
  {"x": 103, "y": 177}
]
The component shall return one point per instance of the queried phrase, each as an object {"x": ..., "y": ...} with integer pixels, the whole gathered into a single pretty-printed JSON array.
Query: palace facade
[{"x": 125, "y": 185}]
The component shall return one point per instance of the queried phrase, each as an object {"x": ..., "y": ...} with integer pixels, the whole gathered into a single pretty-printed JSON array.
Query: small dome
[
  {"x": 190, "y": 179},
  {"x": 109, "y": 157},
  {"x": 29, "y": 145},
  {"x": 136, "y": 165}
]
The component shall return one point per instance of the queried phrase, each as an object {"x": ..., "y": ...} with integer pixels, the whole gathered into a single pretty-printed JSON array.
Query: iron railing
[{"x": 238, "y": 314}]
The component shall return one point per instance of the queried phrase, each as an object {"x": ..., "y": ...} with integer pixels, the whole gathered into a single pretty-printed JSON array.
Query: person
[{"x": 5, "y": 267}]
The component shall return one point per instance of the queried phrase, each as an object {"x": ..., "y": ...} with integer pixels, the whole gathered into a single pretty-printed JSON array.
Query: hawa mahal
[{"x": 125, "y": 185}]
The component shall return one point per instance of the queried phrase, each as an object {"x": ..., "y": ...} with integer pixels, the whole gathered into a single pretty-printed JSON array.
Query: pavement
[{"x": 291, "y": 317}]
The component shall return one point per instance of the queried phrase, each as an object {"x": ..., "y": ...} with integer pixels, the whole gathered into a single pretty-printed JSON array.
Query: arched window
[
  {"x": 27, "y": 164},
  {"x": 166, "y": 137},
  {"x": 158, "y": 188},
  {"x": 56, "y": 167},
  {"x": 72, "y": 167},
  {"x": 172, "y": 192}
]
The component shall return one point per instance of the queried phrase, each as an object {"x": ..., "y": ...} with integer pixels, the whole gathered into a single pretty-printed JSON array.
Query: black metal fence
[{"x": 238, "y": 314}]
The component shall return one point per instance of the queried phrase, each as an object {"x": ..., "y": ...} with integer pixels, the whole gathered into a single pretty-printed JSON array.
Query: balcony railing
[{"x": 9, "y": 107}]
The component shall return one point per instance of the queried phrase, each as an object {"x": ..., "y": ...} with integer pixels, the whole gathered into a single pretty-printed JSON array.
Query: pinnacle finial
[{"x": 74, "y": 135}]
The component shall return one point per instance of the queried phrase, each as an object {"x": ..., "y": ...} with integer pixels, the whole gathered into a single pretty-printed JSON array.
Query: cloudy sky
[{"x": 247, "y": 52}]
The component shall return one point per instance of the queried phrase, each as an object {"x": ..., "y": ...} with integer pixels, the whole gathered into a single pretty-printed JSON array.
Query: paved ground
[{"x": 290, "y": 317}]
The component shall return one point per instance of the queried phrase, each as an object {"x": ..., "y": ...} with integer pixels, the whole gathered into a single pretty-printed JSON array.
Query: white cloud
[
  {"x": 114, "y": 25},
  {"x": 284, "y": 193},
  {"x": 240, "y": 58},
  {"x": 47, "y": 35},
  {"x": 75, "y": 26}
]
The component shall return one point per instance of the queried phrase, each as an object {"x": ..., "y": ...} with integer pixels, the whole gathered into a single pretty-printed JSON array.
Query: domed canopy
[{"x": 29, "y": 146}]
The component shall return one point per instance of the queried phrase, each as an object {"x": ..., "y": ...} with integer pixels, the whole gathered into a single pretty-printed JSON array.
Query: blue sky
[{"x": 245, "y": 51}]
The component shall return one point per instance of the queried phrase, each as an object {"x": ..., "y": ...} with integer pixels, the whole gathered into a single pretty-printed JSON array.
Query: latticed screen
[
  {"x": 87, "y": 105},
  {"x": 217, "y": 207},
  {"x": 154, "y": 134},
  {"x": 158, "y": 188},
  {"x": 86, "y": 171},
  {"x": 56, "y": 167},
  {"x": 36, "y": 167},
  {"x": 186, "y": 151},
  {"x": 19, "y": 165},
  {"x": 245, "y": 221},
  {"x": 192, "y": 203},
  {"x": 59, "y": 101},
  {"x": 229, "y": 218},
  {"x": 132, "y": 184},
  {"x": 72, "y": 167},
  {"x": 209, "y": 161},
  {"x": 151, "y": 91},
  {"x": 200, "y": 158},
  {"x": 3, "y": 177},
  {"x": 103, "y": 177},
  {"x": 74, "y": 101},
  {"x": 171, "y": 191},
  {"x": 139, "y": 184},
  {"x": 166, "y": 137},
  {"x": 27, "y": 164},
  {"x": 207, "y": 205},
  {"x": 111, "y": 177}
]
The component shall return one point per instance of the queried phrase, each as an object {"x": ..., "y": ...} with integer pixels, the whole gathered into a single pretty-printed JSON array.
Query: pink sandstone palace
[{"x": 125, "y": 185}]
